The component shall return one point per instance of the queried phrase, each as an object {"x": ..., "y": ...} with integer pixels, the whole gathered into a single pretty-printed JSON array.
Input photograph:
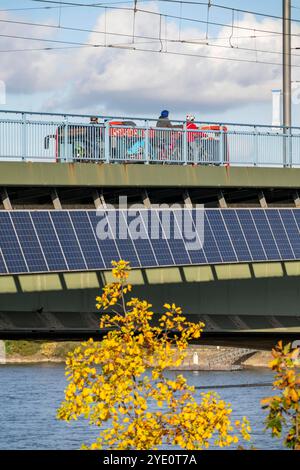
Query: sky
[{"x": 125, "y": 81}]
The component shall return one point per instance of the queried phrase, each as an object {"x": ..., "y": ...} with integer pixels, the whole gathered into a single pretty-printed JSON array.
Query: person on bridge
[
  {"x": 192, "y": 138},
  {"x": 163, "y": 120}
]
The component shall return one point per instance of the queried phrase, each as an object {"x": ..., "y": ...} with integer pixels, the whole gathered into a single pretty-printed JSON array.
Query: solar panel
[
  {"x": 68, "y": 240},
  {"x": 280, "y": 235},
  {"x": 266, "y": 234},
  {"x": 289, "y": 221},
  {"x": 124, "y": 242},
  {"x": 29, "y": 241},
  {"x": 49, "y": 241},
  {"x": 158, "y": 238},
  {"x": 80, "y": 240},
  {"x": 221, "y": 236},
  {"x": 87, "y": 240},
  {"x": 236, "y": 235},
  {"x": 172, "y": 227},
  {"x": 3, "y": 269},
  {"x": 139, "y": 234},
  {"x": 10, "y": 247},
  {"x": 251, "y": 234},
  {"x": 107, "y": 246},
  {"x": 211, "y": 250},
  {"x": 191, "y": 237}
]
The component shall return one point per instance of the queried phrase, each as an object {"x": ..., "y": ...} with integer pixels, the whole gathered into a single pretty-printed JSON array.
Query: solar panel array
[{"x": 52, "y": 241}]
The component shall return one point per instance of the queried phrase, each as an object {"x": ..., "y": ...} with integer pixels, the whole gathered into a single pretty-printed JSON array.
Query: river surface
[{"x": 30, "y": 395}]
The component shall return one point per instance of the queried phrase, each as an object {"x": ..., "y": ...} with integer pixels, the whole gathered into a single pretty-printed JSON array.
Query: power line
[
  {"x": 57, "y": 6},
  {"x": 166, "y": 15},
  {"x": 187, "y": 2},
  {"x": 144, "y": 37},
  {"x": 108, "y": 33},
  {"x": 224, "y": 7},
  {"x": 130, "y": 46}
]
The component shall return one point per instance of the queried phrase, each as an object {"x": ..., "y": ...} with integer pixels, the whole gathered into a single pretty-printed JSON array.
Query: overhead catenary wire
[
  {"x": 129, "y": 46},
  {"x": 159, "y": 39},
  {"x": 102, "y": 5},
  {"x": 176, "y": 17},
  {"x": 187, "y": 2},
  {"x": 152, "y": 38},
  {"x": 57, "y": 6}
]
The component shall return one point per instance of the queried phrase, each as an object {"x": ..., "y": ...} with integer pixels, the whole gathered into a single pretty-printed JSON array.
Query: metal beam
[
  {"x": 99, "y": 199},
  {"x": 296, "y": 198},
  {"x": 55, "y": 199},
  {"x": 222, "y": 200},
  {"x": 5, "y": 200},
  {"x": 262, "y": 200},
  {"x": 187, "y": 199},
  {"x": 146, "y": 199}
]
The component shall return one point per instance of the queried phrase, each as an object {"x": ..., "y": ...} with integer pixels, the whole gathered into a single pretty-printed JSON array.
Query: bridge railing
[{"x": 26, "y": 136}]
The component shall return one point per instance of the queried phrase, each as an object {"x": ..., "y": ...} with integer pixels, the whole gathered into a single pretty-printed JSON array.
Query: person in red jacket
[{"x": 192, "y": 138}]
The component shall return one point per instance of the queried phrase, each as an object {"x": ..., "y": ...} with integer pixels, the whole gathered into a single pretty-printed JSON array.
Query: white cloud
[{"x": 108, "y": 80}]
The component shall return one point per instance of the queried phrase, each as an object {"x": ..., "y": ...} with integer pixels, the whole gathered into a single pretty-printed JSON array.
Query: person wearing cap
[{"x": 163, "y": 120}]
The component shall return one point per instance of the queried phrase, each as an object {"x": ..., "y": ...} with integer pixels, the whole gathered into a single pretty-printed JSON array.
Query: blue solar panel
[
  {"x": 29, "y": 241},
  {"x": 10, "y": 246},
  {"x": 125, "y": 245},
  {"x": 106, "y": 243},
  {"x": 251, "y": 234},
  {"x": 289, "y": 221},
  {"x": 237, "y": 236},
  {"x": 87, "y": 239},
  {"x": 194, "y": 241},
  {"x": 221, "y": 236},
  {"x": 3, "y": 269},
  {"x": 296, "y": 214},
  {"x": 158, "y": 239},
  {"x": 173, "y": 231},
  {"x": 266, "y": 234},
  {"x": 49, "y": 241},
  {"x": 211, "y": 249},
  {"x": 68, "y": 240},
  {"x": 280, "y": 236},
  {"x": 139, "y": 235},
  {"x": 39, "y": 241}
]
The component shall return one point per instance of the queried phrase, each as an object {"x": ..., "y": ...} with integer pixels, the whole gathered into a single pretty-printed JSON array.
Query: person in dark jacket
[{"x": 163, "y": 120}]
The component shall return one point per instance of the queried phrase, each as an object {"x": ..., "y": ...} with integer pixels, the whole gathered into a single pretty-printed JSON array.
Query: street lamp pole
[
  {"x": 287, "y": 78},
  {"x": 287, "y": 82}
]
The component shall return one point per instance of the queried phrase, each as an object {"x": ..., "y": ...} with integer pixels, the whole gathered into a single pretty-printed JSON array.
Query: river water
[{"x": 30, "y": 395}]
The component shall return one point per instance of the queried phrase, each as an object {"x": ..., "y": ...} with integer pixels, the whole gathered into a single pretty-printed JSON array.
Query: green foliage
[
  {"x": 43, "y": 348},
  {"x": 22, "y": 348},
  {"x": 284, "y": 408}
]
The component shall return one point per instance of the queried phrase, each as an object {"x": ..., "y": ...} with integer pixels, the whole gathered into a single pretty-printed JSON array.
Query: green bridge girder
[
  {"x": 245, "y": 299},
  {"x": 236, "y": 302},
  {"x": 141, "y": 175}
]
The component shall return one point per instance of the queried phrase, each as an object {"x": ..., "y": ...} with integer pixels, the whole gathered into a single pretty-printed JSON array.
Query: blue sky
[{"x": 99, "y": 80}]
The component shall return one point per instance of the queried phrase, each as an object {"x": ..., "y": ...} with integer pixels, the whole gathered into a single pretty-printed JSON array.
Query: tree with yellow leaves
[
  {"x": 120, "y": 385},
  {"x": 284, "y": 409}
]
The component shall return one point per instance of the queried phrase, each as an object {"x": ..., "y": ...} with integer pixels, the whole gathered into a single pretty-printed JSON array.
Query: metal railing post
[
  {"x": 285, "y": 147},
  {"x": 106, "y": 142},
  {"x": 255, "y": 159},
  {"x": 290, "y": 147},
  {"x": 221, "y": 149},
  {"x": 147, "y": 142},
  {"x": 24, "y": 137},
  {"x": 185, "y": 142},
  {"x": 66, "y": 139}
]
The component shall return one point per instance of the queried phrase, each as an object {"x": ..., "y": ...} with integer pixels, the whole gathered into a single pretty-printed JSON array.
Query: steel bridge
[{"x": 49, "y": 164}]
